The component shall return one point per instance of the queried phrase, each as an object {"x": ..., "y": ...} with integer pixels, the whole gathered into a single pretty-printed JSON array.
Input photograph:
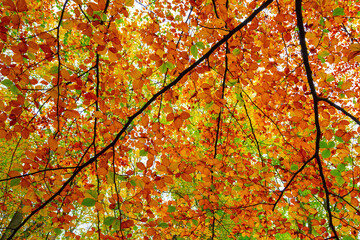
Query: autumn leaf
[
  {"x": 21, "y": 6},
  {"x": 355, "y": 50}
]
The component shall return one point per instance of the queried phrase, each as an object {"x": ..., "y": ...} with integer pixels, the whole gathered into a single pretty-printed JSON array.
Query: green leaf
[
  {"x": 169, "y": 65},
  {"x": 88, "y": 202},
  {"x": 122, "y": 178},
  {"x": 194, "y": 51},
  {"x": 132, "y": 182},
  {"x": 348, "y": 238},
  {"x": 14, "y": 89},
  {"x": 7, "y": 83},
  {"x": 348, "y": 159},
  {"x": 110, "y": 177},
  {"x": 331, "y": 144},
  {"x": 195, "y": 222},
  {"x": 340, "y": 83},
  {"x": 57, "y": 231},
  {"x": 104, "y": 17},
  {"x": 321, "y": 59},
  {"x": 294, "y": 167},
  {"x": 200, "y": 45},
  {"x": 237, "y": 188},
  {"x": 171, "y": 209},
  {"x": 116, "y": 224},
  {"x": 163, "y": 225},
  {"x": 109, "y": 220},
  {"x": 163, "y": 68},
  {"x": 340, "y": 180},
  {"x": 338, "y": 12},
  {"x": 335, "y": 173},
  {"x": 220, "y": 212},
  {"x": 93, "y": 193},
  {"x": 15, "y": 182},
  {"x": 231, "y": 83},
  {"x": 305, "y": 192},
  {"x": 209, "y": 105},
  {"x": 323, "y": 144},
  {"x": 326, "y": 153},
  {"x": 143, "y": 153},
  {"x": 339, "y": 139},
  {"x": 236, "y": 52},
  {"x": 330, "y": 78},
  {"x": 282, "y": 236},
  {"x": 324, "y": 53},
  {"x": 54, "y": 70},
  {"x": 341, "y": 167}
]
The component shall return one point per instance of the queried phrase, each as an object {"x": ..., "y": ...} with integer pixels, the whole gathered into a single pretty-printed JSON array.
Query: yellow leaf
[
  {"x": 26, "y": 209},
  {"x": 355, "y": 47},
  {"x": 346, "y": 85},
  {"x": 135, "y": 74},
  {"x": 129, "y": 3}
]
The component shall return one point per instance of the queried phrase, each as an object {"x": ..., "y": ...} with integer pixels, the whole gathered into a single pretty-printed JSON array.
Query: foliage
[{"x": 206, "y": 119}]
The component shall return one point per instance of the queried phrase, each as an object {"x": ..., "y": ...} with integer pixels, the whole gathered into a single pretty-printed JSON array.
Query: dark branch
[{"x": 305, "y": 57}]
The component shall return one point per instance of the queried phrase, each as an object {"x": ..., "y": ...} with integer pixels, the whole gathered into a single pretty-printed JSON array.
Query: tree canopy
[{"x": 179, "y": 119}]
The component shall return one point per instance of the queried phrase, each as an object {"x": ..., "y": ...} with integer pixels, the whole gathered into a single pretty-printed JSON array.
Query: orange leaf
[
  {"x": 184, "y": 115},
  {"x": 10, "y": 4},
  {"x": 186, "y": 177},
  {"x": 346, "y": 137},
  {"x": 25, "y": 133},
  {"x": 102, "y": 171},
  {"x": 72, "y": 114},
  {"x": 53, "y": 144},
  {"x": 14, "y": 174},
  {"x": 127, "y": 224},
  {"x": 151, "y": 232},
  {"x": 178, "y": 122},
  {"x": 168, "y": 179},
  {"x": 21, "y": 6},
  {"x": 170, "y": 117},
  {"x": 355, "y": 47},
  {"x": 353, "y": 55},
  {"x": 141, "y": 166}
]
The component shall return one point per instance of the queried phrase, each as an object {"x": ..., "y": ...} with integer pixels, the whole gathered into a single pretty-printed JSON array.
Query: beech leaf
[
  {"x": 171, "y": 209},
  {"x": 338, "y": 12},
  {"x": 194, "y": 51},
  {"x": 109, "y": 220},
  {"x": 88, "y": 202},
  {"x": 326, "y": 153}
]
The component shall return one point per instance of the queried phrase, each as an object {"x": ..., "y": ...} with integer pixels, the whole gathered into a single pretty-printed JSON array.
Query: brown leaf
[{"x": 21, "y": 6}]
